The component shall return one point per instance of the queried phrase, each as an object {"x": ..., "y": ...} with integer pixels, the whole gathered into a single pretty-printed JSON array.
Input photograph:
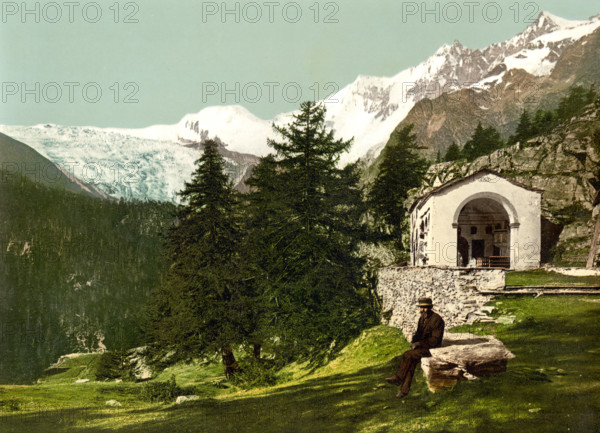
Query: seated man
[{"x": 430, "y": 332}]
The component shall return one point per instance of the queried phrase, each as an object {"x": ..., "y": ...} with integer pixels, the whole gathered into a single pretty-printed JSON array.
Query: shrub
[
  {"x": 255, "y": 373},
  {"x": 165, "y": 392},
  {"x": 11, "y": 405},
  {"x": 572, "y": 213},
  {"x": 114, "y": 365}
]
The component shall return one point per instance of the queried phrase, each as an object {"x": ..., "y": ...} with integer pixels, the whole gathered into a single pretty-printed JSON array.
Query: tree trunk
[
  {"x": 594, "y": 247},
  {"x": 256, "y": 351},
  {"x": 229, "y": 362}
]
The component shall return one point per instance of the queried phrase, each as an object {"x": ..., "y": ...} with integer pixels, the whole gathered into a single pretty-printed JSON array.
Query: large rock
[
  {"x": 185, "y": 398},
  {"x": 137, "y": 360},
  {"x": 60, "y": 365},
  {"x": 464, "y": 356}
]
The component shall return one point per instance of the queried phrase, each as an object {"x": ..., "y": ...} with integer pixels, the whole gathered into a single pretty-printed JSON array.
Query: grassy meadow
[{"x": 553, "y": 385}]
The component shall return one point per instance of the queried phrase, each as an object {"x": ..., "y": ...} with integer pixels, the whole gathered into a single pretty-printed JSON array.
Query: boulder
[
  {"x": 137, "y": 360},
  {"x": 113, "y": 403},
  {"x": 82, "y": 380},
  {"x": 185, "y": 398},
  {"x": 464, "y": 356}
]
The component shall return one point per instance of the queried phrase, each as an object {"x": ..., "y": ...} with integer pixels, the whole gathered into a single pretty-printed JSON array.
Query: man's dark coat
[{"x": 430, "y": 332}]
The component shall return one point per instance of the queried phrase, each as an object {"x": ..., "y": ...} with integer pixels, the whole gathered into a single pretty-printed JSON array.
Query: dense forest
[{"x": 74, "y": 273}]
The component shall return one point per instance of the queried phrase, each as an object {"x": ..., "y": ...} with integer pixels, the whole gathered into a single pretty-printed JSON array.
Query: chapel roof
[{"x": 422, "y": 199}]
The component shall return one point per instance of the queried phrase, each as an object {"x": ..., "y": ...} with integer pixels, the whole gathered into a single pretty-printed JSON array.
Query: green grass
[
  {"x": 80, "y": 367},
  {"x": 540, "y": 277},
  {"x": 553, "y": 385}
]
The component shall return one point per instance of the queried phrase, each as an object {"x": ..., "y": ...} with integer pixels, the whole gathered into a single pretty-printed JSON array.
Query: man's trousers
[{"x": 410, "y": 359}]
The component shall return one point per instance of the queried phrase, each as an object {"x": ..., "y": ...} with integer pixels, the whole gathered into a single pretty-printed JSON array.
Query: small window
[
  {"x": 473, "y": 230},
  {"x": 488, "y": 230}
]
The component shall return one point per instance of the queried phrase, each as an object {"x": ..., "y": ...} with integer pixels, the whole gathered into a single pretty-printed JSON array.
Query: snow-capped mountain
[{"x": 368, "y": 109}]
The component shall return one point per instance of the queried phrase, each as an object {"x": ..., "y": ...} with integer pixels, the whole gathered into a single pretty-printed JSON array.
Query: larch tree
[{"x": 201, "y": 308}]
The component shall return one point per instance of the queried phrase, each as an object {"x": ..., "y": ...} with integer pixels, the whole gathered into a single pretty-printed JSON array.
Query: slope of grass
[{"x": 553, "y": 385}]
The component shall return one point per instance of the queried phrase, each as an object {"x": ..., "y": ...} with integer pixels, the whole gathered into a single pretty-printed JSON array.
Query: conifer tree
[
  {"x": 483, "y": 142},
  {"x": 305, "y": 229},
  {"x": 525, "y": 128},
  {"x": 401, "y": 170},
  {"x": 544, "y": 121},
  {"x": 574, "y": 103},
  {"x": 452, "y": 153}
]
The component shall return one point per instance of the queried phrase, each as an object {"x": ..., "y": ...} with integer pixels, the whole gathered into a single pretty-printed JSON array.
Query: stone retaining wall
[{"x": 454, "y": 292}]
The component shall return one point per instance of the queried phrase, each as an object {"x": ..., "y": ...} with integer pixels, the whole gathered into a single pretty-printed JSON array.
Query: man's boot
[{"x": 394, "y": 380}]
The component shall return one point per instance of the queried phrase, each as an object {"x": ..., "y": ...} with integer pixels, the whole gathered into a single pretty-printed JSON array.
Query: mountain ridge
[{"x": 452, "y": 117}]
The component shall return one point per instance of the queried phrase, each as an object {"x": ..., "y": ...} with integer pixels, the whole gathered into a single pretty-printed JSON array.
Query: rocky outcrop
[
  {"x": 136, "y": 358},
  {"x": 455, "y": 293},
  {"x": 464, "y": 356},
  {"x": 60, "y": 365}
]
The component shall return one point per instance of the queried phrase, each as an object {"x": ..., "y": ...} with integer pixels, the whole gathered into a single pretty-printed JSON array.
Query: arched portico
[
  {"x": 506, "y": 204},
  {"x": 483, "y": 227}
]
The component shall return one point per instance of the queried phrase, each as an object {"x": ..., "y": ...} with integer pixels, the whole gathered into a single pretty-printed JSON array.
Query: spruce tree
[
  {"x": 200, "y": 309},
  {"x": 525, "y": 130},
  {"x": 452, "y": 153},
  {"x": 483, "y": 142},
  {"x": 544, "y": 121},
  {"x": 401, "y": 170},
  {"x": 574, "y": 103}
]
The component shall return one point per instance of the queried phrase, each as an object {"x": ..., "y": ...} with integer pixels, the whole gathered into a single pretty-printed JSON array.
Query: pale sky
[{"x": 134, "y": 64}]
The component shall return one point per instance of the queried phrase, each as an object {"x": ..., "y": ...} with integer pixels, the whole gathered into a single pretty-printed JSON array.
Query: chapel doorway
[{"x": 483, "y": 226}]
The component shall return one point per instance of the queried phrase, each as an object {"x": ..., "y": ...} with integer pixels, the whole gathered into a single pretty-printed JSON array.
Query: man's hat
[{"x": 425, "y": 302}]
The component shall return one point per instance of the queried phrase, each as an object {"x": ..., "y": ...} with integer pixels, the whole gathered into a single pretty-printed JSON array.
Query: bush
[
  {"x": 573, "y": 213},
  {"x": 10, "y": 405},
  {"x": 255, "y": 373},
  {"x": 164, "y": 392}
]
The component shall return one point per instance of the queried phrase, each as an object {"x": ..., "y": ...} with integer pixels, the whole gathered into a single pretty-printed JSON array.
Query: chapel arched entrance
[{"x": 484, "y": 234}]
